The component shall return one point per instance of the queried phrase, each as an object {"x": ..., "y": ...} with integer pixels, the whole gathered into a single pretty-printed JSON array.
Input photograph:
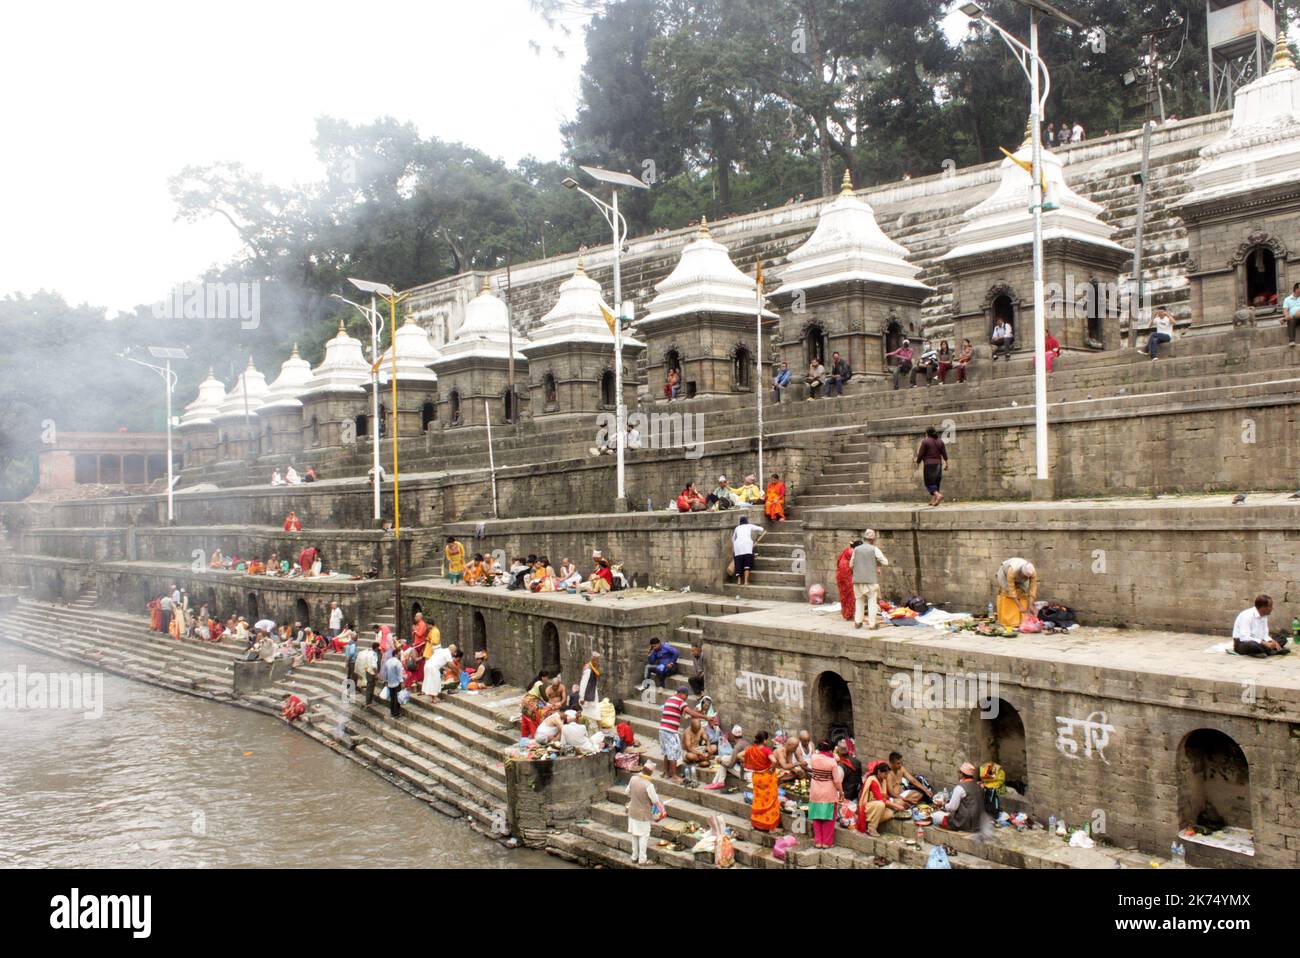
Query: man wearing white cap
[
  {"x": 1017, "y": 591},
  {"x": 574, "y": 734},
  {"x": 643, "y": 806},
  {"x": 731, "y": 752},
  {"x": 866, "y": 579}
]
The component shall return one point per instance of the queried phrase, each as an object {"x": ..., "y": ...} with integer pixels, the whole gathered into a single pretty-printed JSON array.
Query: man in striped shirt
[{"x": 670, "y": 729}]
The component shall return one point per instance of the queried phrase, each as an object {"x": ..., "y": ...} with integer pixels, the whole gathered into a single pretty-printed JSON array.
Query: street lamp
[
  {"x": 167, "y": 354},
  {"x": 614, "y": 218},
  {"x": 376, "y": 327},
  {"x": 392, "y": 298},
  {"x": 1034, "y": 68}
]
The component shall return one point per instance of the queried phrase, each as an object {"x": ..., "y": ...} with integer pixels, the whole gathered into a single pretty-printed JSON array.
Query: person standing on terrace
[
  {"x": 454, "y": 556},
  {"x": 932, "y": 457}
]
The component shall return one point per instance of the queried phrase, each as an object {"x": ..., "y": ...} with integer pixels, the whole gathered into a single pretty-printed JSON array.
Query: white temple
[
  {"x": 1004, "y": 219},
  {"x": 704, "y": 281},
  {"x": 848, "y": 245},
  {"x": 295, "y": 376},
  {"x": 577, "y": 316},
  {"x": 246, "y": 395},
  {"x": 1262, "y": 147},
  {"x": 485, "y": 333},
  {"x": 415, "y": 351},
  {"x": 344, "y": 368},
  {"x": 206, "y": 405}
]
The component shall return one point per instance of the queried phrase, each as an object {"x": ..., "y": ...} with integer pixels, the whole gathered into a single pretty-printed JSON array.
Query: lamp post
[
  {"x": 1040, "y": 82},
  {"x": 376, "y": 322},
  {"x": 392, "y": 299},
  {"x": 167, "y": 354},
  {"x": 615, "y": 219}
]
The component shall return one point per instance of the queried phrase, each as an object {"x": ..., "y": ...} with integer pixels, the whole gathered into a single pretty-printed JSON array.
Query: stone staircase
[{"x": 449, "y": 754}]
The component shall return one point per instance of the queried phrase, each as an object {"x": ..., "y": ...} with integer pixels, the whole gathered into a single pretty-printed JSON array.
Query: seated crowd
[{"x": 533, "y": 573}]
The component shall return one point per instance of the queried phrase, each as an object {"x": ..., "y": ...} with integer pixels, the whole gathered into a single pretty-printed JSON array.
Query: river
[{"x": 164, "y": 779}]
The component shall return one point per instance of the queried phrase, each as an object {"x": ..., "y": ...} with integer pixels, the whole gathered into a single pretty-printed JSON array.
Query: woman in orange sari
[
  {"x": 155, "y": 615},
  {"x": 774, "y": 504},
  {"x": 844, "y": 581},
  {"x": 765, "y": 813}
]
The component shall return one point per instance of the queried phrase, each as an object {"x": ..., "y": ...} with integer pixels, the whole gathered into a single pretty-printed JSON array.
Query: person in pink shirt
[{"x": 824, "y": 795}]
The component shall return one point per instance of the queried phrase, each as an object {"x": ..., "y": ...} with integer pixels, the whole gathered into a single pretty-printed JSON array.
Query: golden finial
[
  {"x": 703, "y": 231},
  {"x": 846, "y": 186},
  {"x": 580, "y": 269},
  {"x": 295, "y": 351},
  {"x": 342, "y": 331},
  {"x": 250, "y": 360},
  {"x": 486, "y": 288},
  {"x": 1282, "y": 54},
  {"x": 211, "y": 374},
  {"x": 1029, "y": 134}
]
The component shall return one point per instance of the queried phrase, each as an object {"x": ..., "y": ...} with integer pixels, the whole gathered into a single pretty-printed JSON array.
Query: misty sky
[{"x": 105, "y": 101}]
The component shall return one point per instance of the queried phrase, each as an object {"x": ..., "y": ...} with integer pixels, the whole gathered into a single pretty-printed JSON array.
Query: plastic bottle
[
  {"x": 1295, "y": 630},
  {"x": 990, "y": 610},
  {"x": 1051, "y": 824},
  {"x": 649, "y": 504},
  {"x": 920, "y": 835},
  {"x": 1177, "y": 852}
]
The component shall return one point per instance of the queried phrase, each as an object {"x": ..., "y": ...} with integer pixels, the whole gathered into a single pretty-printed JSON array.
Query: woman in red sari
[
  {"x": 844, "y": 581},
  {"x": 765, "y": 813}
]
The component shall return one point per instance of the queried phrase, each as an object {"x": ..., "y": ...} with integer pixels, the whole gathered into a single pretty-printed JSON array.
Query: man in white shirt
[
  {"x": 742, "y": 548},
  {"x": 574, "y": 735},
  {"x": 633, "y": 440},
  {"x": 433, "y": 669},
  {"x": 336, "y": 620},
  {"x": 1162, "y": 331},
  {"x": 866, "y": 579},
  {"x": 1076, "y": 134},
  {"x": 1250, "y": 631},
  {"x": 368, "y": 669},
  {"x": 1004, "y": 336},
  {"x": 1291, "y": 313}
]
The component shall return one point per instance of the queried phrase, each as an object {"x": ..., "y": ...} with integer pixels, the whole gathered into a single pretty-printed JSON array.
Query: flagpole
[
  {"x": 758, "y": 385},
  {"x": 492, "y": 465}
]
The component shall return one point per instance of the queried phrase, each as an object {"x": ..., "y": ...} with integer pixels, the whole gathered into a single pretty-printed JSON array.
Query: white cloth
[
  {"x": 574, "y": 735},
  {"x": 433, "y": 669},
  {"x": 545, "y": 732},
  {"x": 1251, "y": 627},
  {"x": 742, "y": 540}
]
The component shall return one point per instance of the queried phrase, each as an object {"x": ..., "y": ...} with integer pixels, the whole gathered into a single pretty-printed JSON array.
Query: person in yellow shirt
[
  {"x": 454, "y": 556},
  {"x": 749, "y": 493}
]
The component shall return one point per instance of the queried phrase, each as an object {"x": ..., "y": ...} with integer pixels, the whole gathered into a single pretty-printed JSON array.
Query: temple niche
[
  {"x": 571, "y": 355},
  {"x": 238, "y": 427},
  {"x": 992, "y": 263},
  {"x": 198, "y": 433},
  {"x": 417, "y": 384},
  {"x": 281, "y": 413},
  {"x": 334, "y": 403},
  {"x": 474, "y": 368},
  {"x": 702, "y": 322},
  {"x": 847, "y": 289},
  {"x": 1243, "y": 211}
]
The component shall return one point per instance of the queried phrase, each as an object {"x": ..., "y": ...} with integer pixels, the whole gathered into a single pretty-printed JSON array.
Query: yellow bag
[{"x": 607, "y": 717}]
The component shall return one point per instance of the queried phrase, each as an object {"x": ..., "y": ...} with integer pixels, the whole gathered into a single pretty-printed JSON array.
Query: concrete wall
[
  {"x": 1132, "y": 784},
  {"x": 545, "y": 796}
]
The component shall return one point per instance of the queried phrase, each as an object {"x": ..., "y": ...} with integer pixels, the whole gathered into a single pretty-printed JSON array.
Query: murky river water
[{"x": 168, "y": 780}]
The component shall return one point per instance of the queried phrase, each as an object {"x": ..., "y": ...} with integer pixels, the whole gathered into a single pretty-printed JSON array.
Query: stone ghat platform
[
  {"x": 128, "y": 586},
  {"x": 1183, "y": 562},
  {"x": 1134, "y": 731},
  {"x": 355, "y": 550},
  {"x": 450, "y": 755}
]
